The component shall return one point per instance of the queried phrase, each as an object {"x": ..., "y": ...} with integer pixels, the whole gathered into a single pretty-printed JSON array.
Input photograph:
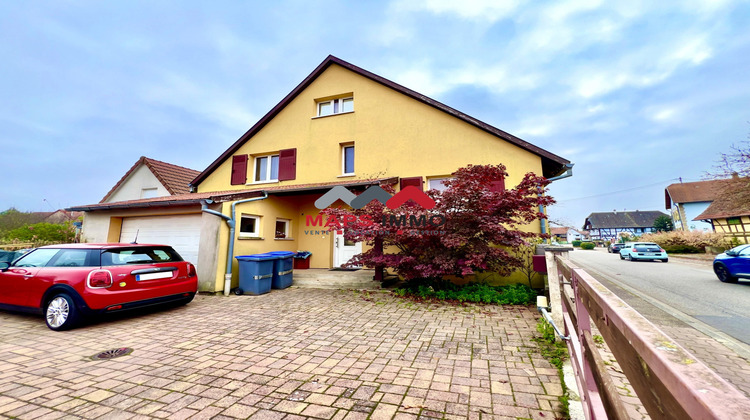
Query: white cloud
[
  {"x": 210, "y": 102},
  {"x": 489, "y": 10}
]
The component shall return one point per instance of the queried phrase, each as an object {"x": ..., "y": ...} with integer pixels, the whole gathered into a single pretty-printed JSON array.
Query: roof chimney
[{"x": 735, "y": 175}]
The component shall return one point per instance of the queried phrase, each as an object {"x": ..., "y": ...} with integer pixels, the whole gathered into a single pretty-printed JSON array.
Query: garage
[{"x": 181, "y": 232}]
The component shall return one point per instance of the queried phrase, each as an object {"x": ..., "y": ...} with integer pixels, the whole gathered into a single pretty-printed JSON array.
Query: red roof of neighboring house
[
  {"x": 693, "y": 192},
  {"x": 552, "y": 164},
  {"x": 221, "y": 196},
  {"x": 176, "y": 179},
  {"x": 733, "y": 201},
  {"x": 558, "y": 231}
]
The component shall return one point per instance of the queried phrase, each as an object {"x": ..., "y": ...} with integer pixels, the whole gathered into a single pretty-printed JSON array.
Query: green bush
[
  {"x": 46, "y": 232},
  {"x": 682, "y": 249},
  {"x": 588, "y": 245},
  {"x": 576, "y": 243},
  {"x": 514, "y": 294}
]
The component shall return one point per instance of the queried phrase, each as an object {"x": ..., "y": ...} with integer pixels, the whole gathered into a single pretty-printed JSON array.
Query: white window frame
[
  {"x": 151, "y": 192},
  {"x": 268, "y": 169},
  {"x": 287, "y": 228},
  {"x": 256, "y": 232},
  {"x": 343, "y": 159},
  {"x": 338, "y": 102},
  {"x": 430, "y": 180}
]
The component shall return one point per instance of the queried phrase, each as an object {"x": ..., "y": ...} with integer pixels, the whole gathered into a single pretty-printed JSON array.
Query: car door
[
  {"x": 16, "y": 281},
  {"x": 742, "y": 263}
]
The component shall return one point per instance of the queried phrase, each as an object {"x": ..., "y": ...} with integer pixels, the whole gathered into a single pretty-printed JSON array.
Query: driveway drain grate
[{"x": 111, "y": 354}]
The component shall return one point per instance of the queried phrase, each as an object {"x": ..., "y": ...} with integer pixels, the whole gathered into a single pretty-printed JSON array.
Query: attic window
[
  {"x": 149, "y": 192},
  {"x": 335, "y": 106}
]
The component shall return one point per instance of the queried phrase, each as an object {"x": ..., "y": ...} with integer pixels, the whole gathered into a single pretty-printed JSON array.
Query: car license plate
[{"x": 153, "y": 276}]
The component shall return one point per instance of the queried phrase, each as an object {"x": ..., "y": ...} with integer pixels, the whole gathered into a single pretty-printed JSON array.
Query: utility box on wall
[{"x": 539, "y": 263}]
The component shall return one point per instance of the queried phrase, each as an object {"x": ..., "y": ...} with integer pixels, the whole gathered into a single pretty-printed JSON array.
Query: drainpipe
[
  {"x": 568, "y": 173},
  {"x": 232, "y": 223}
]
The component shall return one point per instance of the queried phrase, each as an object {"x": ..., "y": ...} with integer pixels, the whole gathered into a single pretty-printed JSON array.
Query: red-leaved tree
[{"x": 474, "y": 226}]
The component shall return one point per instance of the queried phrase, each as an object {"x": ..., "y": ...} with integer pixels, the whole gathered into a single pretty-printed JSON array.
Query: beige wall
[
  {"x": 740, "y": 231},
  {"x": 131, "y": 188}
]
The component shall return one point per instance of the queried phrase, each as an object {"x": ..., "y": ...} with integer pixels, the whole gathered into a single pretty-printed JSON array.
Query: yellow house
[{"x": 342, "y": 126}]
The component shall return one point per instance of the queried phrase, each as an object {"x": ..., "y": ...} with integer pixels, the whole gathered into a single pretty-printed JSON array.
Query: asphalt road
[{"x": 677, "y": 291}]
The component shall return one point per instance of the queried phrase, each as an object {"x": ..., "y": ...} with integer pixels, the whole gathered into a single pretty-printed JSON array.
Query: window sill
[
  {"x": 273, "y": 181},
  {"x": 332, "y": 115},
  {"x": 283, "y": 239},
  {"x": 250, "y": 238},
  {"x": 346, "y": 176}
]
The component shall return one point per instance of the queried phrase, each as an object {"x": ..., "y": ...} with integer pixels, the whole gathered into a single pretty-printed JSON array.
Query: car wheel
[
  {"x": 665, "y": 260},
  {"x": 621, "y": 257},
  {"x": 630, "y": 257},
  {"x": 239, "y": 292},
  {"x": 61, "y": 313},
  {"x": 723, "y": 274}
]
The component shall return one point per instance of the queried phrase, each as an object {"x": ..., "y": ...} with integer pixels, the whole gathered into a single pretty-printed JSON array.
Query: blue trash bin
[
  {"x": 256, "y": 273},
  {"x": 283, "y": 268}
]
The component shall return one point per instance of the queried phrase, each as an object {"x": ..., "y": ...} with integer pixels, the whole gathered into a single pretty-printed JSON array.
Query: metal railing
[{"x": 670, "y": 382}]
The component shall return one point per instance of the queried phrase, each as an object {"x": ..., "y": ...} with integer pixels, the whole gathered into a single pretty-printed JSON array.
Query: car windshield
[{"x": 139, "y": 255}]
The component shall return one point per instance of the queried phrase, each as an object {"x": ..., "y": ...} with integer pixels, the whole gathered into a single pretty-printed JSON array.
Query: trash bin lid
[
  {"x": 256, "y": 257},
  {"x": 281, "y": 254},
  {"x": 303, "y": 254}
]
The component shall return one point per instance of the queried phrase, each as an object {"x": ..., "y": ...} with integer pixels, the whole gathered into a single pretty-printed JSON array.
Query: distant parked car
[
  {"x": 645, "y": 251},
  {"x": 733, "y": 264},
  {"x": 68, "y": 282},
  {"x": 615, "y": 247}
]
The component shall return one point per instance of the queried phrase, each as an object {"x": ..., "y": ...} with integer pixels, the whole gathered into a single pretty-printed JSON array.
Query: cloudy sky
[{"x": 636, "y": 93}]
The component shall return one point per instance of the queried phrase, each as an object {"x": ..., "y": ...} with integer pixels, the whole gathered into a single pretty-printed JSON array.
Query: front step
[{"x": 327, "y": 279}]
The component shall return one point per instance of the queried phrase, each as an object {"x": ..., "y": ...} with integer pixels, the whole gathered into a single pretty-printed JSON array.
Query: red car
[{"x": 68, "y": 282}]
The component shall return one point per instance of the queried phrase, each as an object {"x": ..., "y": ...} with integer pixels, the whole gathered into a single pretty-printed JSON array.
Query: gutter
[
  {"x": 232, "y": 223},
  {"x": 567, "y": 174}
]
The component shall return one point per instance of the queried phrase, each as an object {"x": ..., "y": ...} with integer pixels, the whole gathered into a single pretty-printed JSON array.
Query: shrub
[
  {"x": 576, "y": 243},
  {"x": 514, "y": 294},
  {"x": 695, "y": 239},
  {"x": 588, "y": 245},
  {"x": 43, "y": 232},
  {"x": 682, "y": 249}
]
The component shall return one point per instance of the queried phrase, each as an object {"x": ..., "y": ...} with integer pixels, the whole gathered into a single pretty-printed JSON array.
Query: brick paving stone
[{"x": 346, "y": 356}]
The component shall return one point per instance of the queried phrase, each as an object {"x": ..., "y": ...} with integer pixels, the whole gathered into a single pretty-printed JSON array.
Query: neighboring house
[
  {"x": 608, "y": 226},
  {"x": 686, "y": 200},
  {"x": 729, "y": 213},
  {"x": 341, "y": 126},
  {"x": 148, "y": 179},
  {"x": 62, "y": 216},
  {"x": 568, "y": 234}
]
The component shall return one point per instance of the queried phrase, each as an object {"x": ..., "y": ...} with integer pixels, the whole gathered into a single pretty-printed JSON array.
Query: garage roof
[{"x": 223, "y": 196}]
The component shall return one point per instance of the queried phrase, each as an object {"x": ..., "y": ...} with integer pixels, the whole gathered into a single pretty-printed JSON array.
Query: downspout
[
  {"x": 232, "y": 223},
  {"x": 567, "y": 174}
]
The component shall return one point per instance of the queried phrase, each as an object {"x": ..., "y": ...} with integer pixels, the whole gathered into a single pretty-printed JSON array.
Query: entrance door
[{"x": 344, "y": 250}]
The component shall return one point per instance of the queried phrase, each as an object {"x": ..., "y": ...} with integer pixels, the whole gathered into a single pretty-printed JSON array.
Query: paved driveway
[{"x": 289, "y": 354}]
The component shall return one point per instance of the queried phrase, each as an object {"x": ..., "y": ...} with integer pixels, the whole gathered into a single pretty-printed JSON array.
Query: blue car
[{"x": 733, "y": 264}]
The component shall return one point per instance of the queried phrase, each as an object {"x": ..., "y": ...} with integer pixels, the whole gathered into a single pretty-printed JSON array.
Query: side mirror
[
  {"x": 4, "y": 265},
  {"x": 731, "y": 253}
]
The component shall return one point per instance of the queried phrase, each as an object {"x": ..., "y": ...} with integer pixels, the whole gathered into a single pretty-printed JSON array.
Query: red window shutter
[
  {"x": 239, "y": 169},
  {"x": 498, "y": 186},
  {"x": 414, "y": 182},
  {"x": 287, "y": 164}
]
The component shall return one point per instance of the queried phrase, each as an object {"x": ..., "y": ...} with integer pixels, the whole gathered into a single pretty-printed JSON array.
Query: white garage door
[{"x": 183, "y": 232}]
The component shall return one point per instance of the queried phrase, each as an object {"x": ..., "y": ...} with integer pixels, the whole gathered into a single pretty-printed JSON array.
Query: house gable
[
  {"x": 149, "y": 178},
  {"x": 394, "y": 131}
]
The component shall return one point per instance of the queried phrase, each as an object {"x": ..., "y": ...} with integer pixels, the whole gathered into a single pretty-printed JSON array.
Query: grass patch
[
  {"x": 556, "y": 352},
  {"x": 514, "y": 294}
]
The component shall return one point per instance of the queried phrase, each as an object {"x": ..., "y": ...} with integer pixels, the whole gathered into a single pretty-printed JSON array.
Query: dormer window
[{"x": 335, "y": 106}]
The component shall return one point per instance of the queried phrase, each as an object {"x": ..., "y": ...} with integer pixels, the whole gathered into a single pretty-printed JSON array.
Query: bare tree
[{"x": 736, "y": 161}]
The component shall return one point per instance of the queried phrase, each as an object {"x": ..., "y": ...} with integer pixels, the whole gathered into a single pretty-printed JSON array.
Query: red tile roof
[
  {"x": 693, "y": 192},
  {"x": 733, "y": 200},
  {"x": 221, "y": 196},
  {"x": 176, "y": 179},
  {"x": 552, "y": 164}
]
